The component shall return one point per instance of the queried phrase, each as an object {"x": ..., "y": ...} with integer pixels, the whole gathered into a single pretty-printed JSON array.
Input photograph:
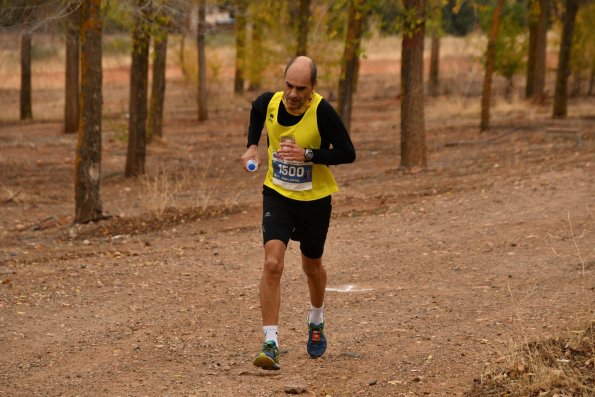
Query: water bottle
[{"x": 251, "y": 165}]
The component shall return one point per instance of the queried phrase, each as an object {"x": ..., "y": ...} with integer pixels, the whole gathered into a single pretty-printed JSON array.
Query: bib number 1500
[
  {"x": 292, "y": 176},
  {"x": 291, "y": 170}
]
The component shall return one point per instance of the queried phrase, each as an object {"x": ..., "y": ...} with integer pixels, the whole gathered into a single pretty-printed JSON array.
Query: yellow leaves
[{"x": 412, "y": 20}]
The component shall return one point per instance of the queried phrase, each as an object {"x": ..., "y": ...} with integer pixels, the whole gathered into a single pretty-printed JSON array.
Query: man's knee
[
  {"x": 273, "y": 267},
  {"x": 312, "y": 267}
]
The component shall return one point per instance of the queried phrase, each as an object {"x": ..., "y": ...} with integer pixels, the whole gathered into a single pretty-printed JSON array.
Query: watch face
[{"x": 308, "y": 154}]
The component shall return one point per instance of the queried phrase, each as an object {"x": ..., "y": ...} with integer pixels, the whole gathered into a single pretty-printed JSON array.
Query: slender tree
[
  {"x": 157, "y": 101},
  {"x": 561, "y": 91},
  {"x": 536, "y": 60},
  {"x": 303, "y": 28},
  {"x": 434, "y": 80},
  {"x": 256, "y": 63},
  {"x": 435, "y": 27},
  {"x": 533, "y": 19},
  {"x": 72, "y": 75},
  {"x": 202, "y": 62},
  {"x": 241, "y": 9},
  {"x": 413, "y": 135},
  {"x": 26, "y": 86},
  {"x": 349, "y": 63},
  {"x": 139, "y": 73},
  {"x": 88, "y": 150},
  {"x": 489, "y": 66}
]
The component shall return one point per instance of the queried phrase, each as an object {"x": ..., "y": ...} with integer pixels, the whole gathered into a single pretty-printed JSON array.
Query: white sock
[
  {"x": 270, "y": 333},
  {"x": 316, "y": 315}
]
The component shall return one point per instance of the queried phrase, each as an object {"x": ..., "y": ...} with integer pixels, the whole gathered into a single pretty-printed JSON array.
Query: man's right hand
[{"x": 251, "y": 153}]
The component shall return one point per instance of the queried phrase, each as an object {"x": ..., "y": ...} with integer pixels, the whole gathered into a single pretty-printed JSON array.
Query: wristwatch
[{"x": 308, "y": 154}]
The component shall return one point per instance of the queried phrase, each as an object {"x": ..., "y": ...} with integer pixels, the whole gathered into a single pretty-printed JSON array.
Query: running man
[{"x": 305, "y": 135}]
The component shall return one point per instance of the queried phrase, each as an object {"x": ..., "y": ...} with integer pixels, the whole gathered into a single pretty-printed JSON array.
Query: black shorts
[{"x": 304, "y": 221}]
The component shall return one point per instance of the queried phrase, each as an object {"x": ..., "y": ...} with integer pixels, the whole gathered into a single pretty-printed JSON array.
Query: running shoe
[
  {"x": 316, "y": 340},
  {"x": 268, "y": 358}
]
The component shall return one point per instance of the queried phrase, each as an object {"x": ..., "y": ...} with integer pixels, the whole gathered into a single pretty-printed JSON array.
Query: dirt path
[{"x": 432, "y": 275}]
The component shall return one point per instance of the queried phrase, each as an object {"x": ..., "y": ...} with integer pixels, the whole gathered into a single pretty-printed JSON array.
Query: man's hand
[
  {"x": 291, "y": 151},
  {"x": 250, "y": 154}
]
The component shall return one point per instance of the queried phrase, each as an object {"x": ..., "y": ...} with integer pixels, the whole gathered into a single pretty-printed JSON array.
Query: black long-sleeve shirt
[{"x": 335, "y": 147}]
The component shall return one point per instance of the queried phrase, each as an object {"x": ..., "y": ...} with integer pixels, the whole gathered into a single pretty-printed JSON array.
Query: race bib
[{"x": 292, "y": 175}]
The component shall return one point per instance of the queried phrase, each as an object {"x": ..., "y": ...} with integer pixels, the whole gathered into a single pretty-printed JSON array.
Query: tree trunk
[
  {"x": 533, "y": 15},
  {"x": 509, "y": 89},
  {"x": 88, "y": 150},
  {"x": 26, "y": 106},
  {"x": 592, "y": 80},
  {"x": 240, "y": 71},
  {"x": 303, "y": 27},
  {"x": 349, "y": 64},
  {"x": 536, "y": 64},
  {"x": 541, "y": 51},
  {"x": 435, "y": 27},
  {"x": 413, "y": 136},
  {"x": 490, "y": 60},
  {"x": 561, "y": 91},
  {"x": 202, "y": 62},
  {"x": 139, "y": 73},
  {"x": 577, "y": 82},
  {"x": 434, "y": 65},
  {"x": 72, "y": 75},
  {"x": 156, "y": 104},
  {"x": 255, "y": 69}
]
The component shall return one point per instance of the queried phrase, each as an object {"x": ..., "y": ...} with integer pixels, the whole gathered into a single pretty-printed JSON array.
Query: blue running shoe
[
  {"x": 268, "y": 358},
  {"x": 316, "y": 340}
]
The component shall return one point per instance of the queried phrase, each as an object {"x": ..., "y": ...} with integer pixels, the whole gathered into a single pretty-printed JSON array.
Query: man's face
[{"x": 298, "y": 88}]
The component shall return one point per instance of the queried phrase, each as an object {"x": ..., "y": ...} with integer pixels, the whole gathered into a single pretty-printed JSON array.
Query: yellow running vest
[{"x": 297, "y": 180}]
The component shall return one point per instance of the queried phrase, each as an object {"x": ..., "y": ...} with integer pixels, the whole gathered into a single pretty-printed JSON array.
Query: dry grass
[
  {"x": 191, "y": 187},
  {"x": 159, "y": 191},
  {"x": 9, "y": 195},
  {"x": 560, "y": 366}
]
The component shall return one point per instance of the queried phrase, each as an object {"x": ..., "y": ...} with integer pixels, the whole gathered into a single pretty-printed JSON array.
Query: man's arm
[
  {"x": 258, "y": 117},
  {"x": 336, "y": 146}
]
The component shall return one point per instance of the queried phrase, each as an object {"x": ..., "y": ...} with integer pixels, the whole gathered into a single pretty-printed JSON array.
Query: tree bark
[
  {"x": 434, "y": 65},
  {"x": 541, "y": 51},
  {"x": 489, "y": 67},
  {"x": 536, "y": 63},
  {"x": 26, "y": 86},
  {"x": 88, "y": 150},
  {"x": 349, "y": 64},
  {"x": 561, "y": 91},
  {"x": 435, "y": 28},
  {"x": 139, "y": 73},
  {"x": 413, "y": 136},
  {"x": 157, "y": 101},
  {"x": 202, "y": 62},
  {"x": 303, "y": 28},
  {"x": 255, "y": 69},
  {"x": 240, "y": 71},
  {"x": 592, "y": 80},
  {"x": 533, "y": 16},
  {"x": 72, "y": 74}
]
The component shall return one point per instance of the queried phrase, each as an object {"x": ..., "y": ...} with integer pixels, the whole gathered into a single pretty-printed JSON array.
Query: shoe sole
[{"x": 265, "y": 362}]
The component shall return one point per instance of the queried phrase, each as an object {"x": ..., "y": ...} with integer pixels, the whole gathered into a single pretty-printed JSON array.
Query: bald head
[{"x": 301, "y": 63}]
